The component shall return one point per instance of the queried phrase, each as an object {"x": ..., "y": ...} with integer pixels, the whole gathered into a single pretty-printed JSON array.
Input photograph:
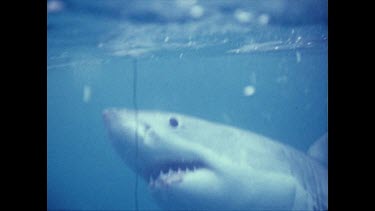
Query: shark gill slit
[{"x": 135, "y": 105}]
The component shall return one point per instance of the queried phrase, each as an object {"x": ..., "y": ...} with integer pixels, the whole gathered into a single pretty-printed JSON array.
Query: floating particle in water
[
  {"x": 166, "y": 39},
  {"x": 282, "y": 79},
  {"x": 253, "y": 78},
  {"x": 197, "y": 11},
  {"x": 186, "y": 3},
  {"x": 248, "y": 90},
  {"x": 54, "y": 6},
  {"x": 298, "y": 56},
  {"x": 181, "y": 55},
  {"x": 263, "y": 19},
  {"x": 190, "y": 43},
  {"x": 243, "y": 16},
  {"x": 86, "y": 93}
]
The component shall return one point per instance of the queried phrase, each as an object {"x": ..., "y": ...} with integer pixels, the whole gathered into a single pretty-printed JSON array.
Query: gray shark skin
[{"x": 193, "y": 164}]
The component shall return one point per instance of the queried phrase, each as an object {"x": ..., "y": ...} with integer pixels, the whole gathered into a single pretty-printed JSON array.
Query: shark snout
[
  {"x": 114, "y": 115},
  {"x": 119, "y": 122}
]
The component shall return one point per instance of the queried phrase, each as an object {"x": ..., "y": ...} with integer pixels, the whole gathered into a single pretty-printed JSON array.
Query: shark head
[
  {"x": 190, "y": 163},
  {"x": 162, "y": 150}
]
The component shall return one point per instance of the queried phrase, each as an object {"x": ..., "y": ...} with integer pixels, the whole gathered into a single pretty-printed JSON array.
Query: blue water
[{"x": 192, "y": 61}]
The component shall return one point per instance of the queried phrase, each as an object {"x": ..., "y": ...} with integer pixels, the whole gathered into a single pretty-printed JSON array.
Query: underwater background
[{"x": 256, "y": 65}]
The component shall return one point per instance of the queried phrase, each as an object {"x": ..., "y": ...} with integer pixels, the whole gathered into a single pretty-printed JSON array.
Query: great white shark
[{"x": 194, "y": 164}]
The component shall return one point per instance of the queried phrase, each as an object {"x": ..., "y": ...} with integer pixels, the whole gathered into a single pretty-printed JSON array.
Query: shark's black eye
[{"x": 173, "y": 122}]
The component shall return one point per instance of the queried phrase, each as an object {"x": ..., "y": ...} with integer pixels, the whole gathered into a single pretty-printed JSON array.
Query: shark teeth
[
  {"x": 166, "y": 172},
  {"x": 170, "y": 177}
]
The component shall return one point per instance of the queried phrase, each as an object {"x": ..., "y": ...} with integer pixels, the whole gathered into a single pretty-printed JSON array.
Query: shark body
[{"x": 193, "y": 164}]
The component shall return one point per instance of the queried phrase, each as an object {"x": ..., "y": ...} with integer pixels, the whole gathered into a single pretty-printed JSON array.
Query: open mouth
[{"x": 173, "y": 172}]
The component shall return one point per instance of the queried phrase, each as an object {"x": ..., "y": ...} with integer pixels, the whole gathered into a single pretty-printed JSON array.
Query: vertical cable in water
[{"x": 135, "y": 106}]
